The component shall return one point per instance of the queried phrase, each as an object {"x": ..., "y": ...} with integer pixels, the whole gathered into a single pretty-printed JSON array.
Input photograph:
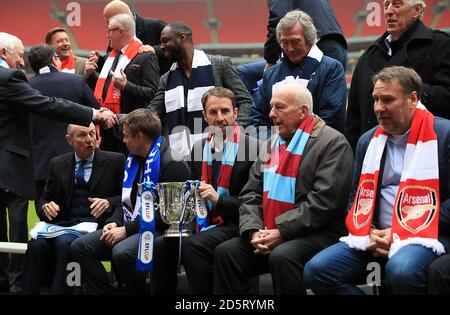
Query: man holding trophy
[
  {"x": 222, "y": 162},
  {"x": 124, "y": 239}
]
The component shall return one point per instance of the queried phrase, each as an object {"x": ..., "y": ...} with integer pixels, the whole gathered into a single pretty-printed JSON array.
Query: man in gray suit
[{"x": 178, "y": 100}]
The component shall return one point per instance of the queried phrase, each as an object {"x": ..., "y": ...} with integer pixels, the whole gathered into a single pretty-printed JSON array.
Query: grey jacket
[
  {"x": 322, "y": 187},
  {"x": 224, "y": 75}
]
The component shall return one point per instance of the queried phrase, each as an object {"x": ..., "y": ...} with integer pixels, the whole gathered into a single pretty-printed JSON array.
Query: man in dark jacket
[
  {"x": 323, "y": 76},
  {"x": 82, "y": 186},
  {"x": 17, "y": 101},
  {"x": 293, "y": 203},
  {"x": 331, "y": 38},
  {"x": 119, "y": 239},
  {"x": 128, "y": 79},
  {"x": 48, "y": 135},
  {"x": 406, "y": 42},
  {"x": 222, "y": 162},
  {"x": 178, "y": 100}
]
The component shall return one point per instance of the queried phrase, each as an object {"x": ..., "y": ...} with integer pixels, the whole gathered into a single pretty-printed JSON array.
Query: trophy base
[{"x": 174, "y": 232}]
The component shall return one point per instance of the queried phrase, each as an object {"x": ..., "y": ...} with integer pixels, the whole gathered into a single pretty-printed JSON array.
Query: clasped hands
[
  {"x": 106, "y": 118},
  {"x": 265, "y": 240},
  {"x": 380, "y": 242}
]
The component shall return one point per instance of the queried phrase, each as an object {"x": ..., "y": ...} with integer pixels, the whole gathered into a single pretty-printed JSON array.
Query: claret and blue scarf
[
  {"x": 231, "y": 146},
  {"x": 280, "y": 172}
]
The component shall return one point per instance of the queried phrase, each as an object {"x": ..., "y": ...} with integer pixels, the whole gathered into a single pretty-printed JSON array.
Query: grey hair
[
  {"x": 8, "y": 41},
  {"x": 291, "y": 19},
  {"x": 406, "y": 77},
  {"x": 126, "y": 21},
  {"x": 301, "y": 93},
  {"x": 424, "y": 5}
]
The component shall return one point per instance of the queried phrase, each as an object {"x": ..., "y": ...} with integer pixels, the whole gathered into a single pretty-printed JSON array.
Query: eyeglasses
[{"x": 108, "y": 31}]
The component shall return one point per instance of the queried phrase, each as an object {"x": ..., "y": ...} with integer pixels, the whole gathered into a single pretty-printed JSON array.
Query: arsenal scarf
[
  {"x": 280, "y": 172},
  {"x": 231, "y": 146},
  {"x": 416, "y": 208},
  {"x": 112, "y": 100},
  {"x": 68, "y": 64}
]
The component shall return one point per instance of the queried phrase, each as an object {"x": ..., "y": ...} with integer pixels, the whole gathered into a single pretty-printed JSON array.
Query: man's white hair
[
  {"x": 8, "y": 41},
  {"x": 126, "y": 21},
  {"x": 296, "y": 86}
]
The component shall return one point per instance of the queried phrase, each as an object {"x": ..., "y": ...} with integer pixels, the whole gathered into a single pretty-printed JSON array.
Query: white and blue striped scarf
[{"x": 180, "y": 112}]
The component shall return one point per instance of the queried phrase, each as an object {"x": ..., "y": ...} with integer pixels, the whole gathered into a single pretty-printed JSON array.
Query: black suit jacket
[
  {"x": 49, "y": 136},
  {"x": 106, "y": 182},
  {"x": 246, "y": 156},
  {"x": 17, "y": 101},
  {"x": 149, "y": 32},
  {"x": 142, "y": 83}
]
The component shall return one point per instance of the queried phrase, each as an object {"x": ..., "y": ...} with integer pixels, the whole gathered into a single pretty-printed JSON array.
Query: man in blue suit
[{"x": 49, "y": 135}]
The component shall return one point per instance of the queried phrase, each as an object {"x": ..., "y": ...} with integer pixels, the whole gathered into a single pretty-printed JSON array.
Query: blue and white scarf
[
  {"x": 311, "y": 62},
  {"x": 151, "y": 174},
  {"x": 183, "y": 115}
]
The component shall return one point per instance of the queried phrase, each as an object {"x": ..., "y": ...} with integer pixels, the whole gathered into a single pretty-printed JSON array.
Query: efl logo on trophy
[
  {"x": 364, "y": 203},
  {"x": 416, "y": 207}
]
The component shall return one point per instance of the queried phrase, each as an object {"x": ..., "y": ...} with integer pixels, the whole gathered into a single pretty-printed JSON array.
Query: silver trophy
[{"x": 176, "y": 204}]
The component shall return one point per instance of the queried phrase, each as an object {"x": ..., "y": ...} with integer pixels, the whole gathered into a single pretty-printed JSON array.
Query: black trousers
[
  {"x": 235, "y": 264},
  {"x": 439, "y": 275},
  {"x": 11, "y": 265},
  {"x": 164, "y": 277},
  {"x": 46, "y": 261},
  {"x": 89, "y": 251},
  {"x": 197, "y": 252}
]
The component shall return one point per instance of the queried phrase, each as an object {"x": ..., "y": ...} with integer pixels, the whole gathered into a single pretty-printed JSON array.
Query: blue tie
[{"x": 79, "y": 174}]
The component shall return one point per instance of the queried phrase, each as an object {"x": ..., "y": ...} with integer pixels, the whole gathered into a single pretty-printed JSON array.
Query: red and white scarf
[
  {"x": 230, "y": 149},
  {"x": 112, "y": 100},
  {"x": 68, "y": 64},
  {"x": 415, "y": 215}
]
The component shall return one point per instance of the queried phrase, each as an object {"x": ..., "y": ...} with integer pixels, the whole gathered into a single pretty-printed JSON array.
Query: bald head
[{"x": 115, "y": 7}]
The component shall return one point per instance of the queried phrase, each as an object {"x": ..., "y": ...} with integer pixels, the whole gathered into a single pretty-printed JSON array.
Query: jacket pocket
[{"x": 17, "y": 150}]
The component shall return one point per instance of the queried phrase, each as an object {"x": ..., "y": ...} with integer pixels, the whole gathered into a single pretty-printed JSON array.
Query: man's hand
[
  {"x": 91, "y": 64},
  {"x": 120, "y": 80},
  {"x": 109, "y": 226},
  {"x": 113, "y": 236},
  {"x": 266, "y": 240},
  {"x": 146, "y": 49},
  {"x": 208, "y": 192},
  {"x": 380, "y": 242},
  {"x": 98, "y": 206},
  {"x": 50, "y": 210},
  {"x": 106, "y": 118}
]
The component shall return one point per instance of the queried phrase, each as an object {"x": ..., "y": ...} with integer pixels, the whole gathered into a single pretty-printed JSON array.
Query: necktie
[
  {"x": 79, "y": 174},
  {"x": 109, "y": 78}
]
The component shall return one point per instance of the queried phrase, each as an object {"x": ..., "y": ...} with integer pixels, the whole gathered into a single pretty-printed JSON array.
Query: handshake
[{"x": 105, "y": 118}]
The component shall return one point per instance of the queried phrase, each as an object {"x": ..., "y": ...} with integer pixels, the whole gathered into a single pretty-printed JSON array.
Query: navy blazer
[{"x": 49, "y": 136}]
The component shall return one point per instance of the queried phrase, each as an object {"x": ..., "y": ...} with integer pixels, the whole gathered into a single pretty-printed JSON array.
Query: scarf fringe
[
  {"x": 430, "y": 243},
  {"x": 356, "y": 242}
]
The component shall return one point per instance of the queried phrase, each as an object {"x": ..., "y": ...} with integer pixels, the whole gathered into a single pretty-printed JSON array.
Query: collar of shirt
[
  {"x": 387, "y": 42},
  {"x": 89, "y": 159},
  {"x": 4, "y": 64}
]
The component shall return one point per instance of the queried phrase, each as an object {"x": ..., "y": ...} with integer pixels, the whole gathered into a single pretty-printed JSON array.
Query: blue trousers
[{"x": 339, "y": 268}]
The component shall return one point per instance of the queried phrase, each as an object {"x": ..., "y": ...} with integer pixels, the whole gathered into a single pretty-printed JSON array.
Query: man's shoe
[{"x": 15, "y": 289}]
